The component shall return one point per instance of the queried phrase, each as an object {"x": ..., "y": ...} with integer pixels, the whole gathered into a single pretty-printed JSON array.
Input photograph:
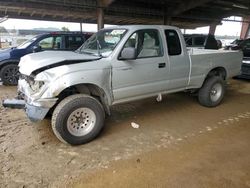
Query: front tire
[
  {"x": 78, "y": 119},
  {"x": 212, "y": 91},
  {"x": 10, "y": 74}
]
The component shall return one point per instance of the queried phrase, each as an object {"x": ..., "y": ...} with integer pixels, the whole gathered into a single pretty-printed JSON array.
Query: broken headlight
[{"x": 36, "y": 85}]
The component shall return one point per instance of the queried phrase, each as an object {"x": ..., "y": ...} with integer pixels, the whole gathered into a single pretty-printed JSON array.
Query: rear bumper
[
  {"x": 34, "y": 113},
  {"x": 245, "y": 71}
]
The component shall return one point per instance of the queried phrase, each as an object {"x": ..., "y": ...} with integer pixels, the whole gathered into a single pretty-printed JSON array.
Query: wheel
[
  {"x": 212, "y": 92},
  {"x": 9, "y": 74},
  {"x": 78, "y": 119}
]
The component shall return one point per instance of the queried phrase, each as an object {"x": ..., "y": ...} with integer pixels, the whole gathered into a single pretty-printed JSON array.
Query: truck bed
[{"x": 202, "y": 61}]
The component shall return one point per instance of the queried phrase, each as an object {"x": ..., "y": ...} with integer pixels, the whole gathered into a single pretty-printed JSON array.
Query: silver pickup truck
[{"x": 117, "y": 65}]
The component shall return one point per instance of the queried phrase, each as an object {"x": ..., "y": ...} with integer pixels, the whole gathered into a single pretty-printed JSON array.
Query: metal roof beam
[{"x": 188, "y": 5}]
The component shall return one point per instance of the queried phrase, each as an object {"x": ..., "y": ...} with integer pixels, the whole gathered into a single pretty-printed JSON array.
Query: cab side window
[
  {"x": 173, "y": 42},
  {"x": 73, "y": 42},
  {"x": 53, "y": 42},
  {"x": 57, "y": 45},
  {"x": 46, "y": 43},
  {"x": 132, "y": 41},
  {"x": 146, "y": 42}
]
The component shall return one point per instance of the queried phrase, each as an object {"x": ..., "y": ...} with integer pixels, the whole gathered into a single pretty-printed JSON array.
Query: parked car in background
[
  {"x": 244, "y": 46},
  {"x": 201, "y": 41},
  {"x": 9, "y": 58},
  {"x": 245, "y": 68},
  {"x": 219, "y": 44},
  {"x": 236, "y": 42}
]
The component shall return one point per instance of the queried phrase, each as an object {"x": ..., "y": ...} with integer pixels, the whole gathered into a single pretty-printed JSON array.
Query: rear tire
[
  {"x": 212, "y": 91},
  {"x": 78, "y": 119},
  {"x": 9, "y": 74}
]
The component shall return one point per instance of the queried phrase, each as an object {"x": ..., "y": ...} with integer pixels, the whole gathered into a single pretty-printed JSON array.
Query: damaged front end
[{"x": 29, "y": 99}]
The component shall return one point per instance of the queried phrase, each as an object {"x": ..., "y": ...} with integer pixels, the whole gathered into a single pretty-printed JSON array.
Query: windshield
[
  {"x": 103, "y": 42},
  {"x": 26, "y": 43}
]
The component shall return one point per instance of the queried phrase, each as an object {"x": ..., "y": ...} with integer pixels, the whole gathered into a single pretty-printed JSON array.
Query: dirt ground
[{"x": 178, "y": 144}]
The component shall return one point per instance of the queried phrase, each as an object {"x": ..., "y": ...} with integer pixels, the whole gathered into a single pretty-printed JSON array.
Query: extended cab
[{"x": 117, "y": 65}]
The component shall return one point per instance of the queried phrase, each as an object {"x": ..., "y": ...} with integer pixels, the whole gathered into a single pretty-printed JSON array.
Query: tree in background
[{"x": 65, "y": 29}]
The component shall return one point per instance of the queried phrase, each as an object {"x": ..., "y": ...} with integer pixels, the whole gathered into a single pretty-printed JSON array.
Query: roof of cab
[{"x": 136, "y": 27}]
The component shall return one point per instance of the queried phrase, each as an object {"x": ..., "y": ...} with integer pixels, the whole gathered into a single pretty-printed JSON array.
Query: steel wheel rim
[
  {"x": 11, "y": 75},
  {"x": 216, "y": 92},
  {"x": 81, "y": 121}
]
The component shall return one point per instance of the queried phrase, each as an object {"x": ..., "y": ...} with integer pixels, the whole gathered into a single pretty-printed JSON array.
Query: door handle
[
  {"x": 161, "y": 65},
  {"x": 125, "y": 68}
]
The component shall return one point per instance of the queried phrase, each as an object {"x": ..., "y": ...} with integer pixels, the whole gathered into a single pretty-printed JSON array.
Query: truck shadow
[{"x": 138, "y": 111}]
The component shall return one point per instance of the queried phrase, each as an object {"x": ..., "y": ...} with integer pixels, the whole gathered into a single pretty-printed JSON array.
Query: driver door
[{"x": 146, "y": 74}]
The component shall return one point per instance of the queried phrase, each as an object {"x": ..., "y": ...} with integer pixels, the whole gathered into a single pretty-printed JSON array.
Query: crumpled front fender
[{"x": 100, "y": 78}]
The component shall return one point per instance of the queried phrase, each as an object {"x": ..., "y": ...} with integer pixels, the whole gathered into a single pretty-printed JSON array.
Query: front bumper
[
  {"x": 34, "y": 113},
  {"x": 35, "y": 106}
]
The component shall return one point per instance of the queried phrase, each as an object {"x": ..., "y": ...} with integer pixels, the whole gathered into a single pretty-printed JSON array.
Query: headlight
[{"x": 36, "y": 85}]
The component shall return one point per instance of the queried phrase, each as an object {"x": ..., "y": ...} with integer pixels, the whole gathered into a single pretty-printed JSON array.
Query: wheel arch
[
  {"x": 7, "y": 62},
  {"x": 89, "y": 89},
  {"x": 217, "y": 71}
]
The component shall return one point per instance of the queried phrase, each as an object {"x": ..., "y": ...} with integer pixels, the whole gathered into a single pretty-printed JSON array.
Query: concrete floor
[{"x": 178, "y": 144}]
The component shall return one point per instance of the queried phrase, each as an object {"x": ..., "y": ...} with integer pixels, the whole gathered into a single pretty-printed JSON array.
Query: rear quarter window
[{"x": 173, "y": 42}]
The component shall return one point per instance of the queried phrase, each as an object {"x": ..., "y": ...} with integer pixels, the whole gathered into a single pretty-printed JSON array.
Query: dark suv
[
  {"x": 233, "y": 44},
  {"x": 244, "y": 46},
  {"x": 201, "y": 41},
  {"x": 10, "y": 58}
]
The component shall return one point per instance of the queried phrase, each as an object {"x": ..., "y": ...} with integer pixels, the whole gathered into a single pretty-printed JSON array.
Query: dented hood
[{"x": 37, "y": 62}]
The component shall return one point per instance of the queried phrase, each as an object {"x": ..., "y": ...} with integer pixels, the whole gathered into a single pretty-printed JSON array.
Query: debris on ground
[{"x": 135, "y": 125}]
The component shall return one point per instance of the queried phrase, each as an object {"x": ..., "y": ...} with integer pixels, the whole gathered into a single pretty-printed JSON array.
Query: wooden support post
[
  {"x": 100, "y": 14},
  {"x": 100, "y": 18},
  {"x": 167, "y": 20},
  {"x": 245, "y": 28},
  {"x": 212, "y": 28},
  {"x": 81, "y": 27}
]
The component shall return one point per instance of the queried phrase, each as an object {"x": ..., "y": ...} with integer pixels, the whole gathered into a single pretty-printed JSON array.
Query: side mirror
[
  {"x": 37, "y": 48},
  {"x": 128, "y": 54}
]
